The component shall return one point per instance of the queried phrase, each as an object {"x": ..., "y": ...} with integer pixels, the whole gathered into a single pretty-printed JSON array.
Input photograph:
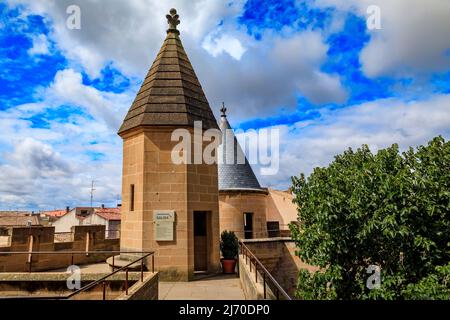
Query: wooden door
[{"x": 200, "y": 241}]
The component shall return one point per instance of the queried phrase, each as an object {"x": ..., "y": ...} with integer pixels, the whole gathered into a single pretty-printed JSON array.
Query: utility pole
[{"x": 92, "y": 192}]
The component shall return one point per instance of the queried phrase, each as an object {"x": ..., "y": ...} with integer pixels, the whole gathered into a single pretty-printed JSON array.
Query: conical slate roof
[
  {"x": 237, "y": 175},
  {"x": 171, "y": 93}
]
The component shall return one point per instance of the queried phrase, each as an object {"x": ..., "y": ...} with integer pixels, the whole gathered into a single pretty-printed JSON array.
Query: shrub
[{"x": 229, "y": 245}]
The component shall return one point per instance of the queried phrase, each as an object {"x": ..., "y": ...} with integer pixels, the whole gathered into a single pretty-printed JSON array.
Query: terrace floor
[
  {"x": 208, "y": 287},
  {"x": 217, "y": 287},
  {"x": 90, "y": 268}
]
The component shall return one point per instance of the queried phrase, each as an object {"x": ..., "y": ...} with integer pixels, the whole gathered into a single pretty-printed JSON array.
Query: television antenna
[{"x": 92, "y": 192}]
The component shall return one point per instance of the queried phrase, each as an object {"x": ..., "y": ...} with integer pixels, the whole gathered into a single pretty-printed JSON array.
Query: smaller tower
[{"x": 242, "y": 201}]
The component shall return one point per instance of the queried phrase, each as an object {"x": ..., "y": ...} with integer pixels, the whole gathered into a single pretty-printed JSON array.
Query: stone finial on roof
[
  {"x": 223, "y": 110},
  {"x": 173, "y": 21}
]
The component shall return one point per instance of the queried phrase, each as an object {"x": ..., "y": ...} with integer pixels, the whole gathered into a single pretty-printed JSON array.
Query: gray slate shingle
[{"x": 234, "y": 176}]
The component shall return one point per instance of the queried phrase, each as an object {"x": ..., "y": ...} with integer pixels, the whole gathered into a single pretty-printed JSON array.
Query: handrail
[
  {"x": 264, "y": 232},
  {"x": 70, "y": 252},
  {"x": 246, "y": 252},
  {"x": 96, "y": 282},
  {"x": 93, "y": 284}
]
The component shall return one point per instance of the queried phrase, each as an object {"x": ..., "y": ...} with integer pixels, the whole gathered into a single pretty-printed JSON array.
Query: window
[
  {"x": 132, "y": 197},
  {"x": 248, "y": 225},
  {"x": 273, "y": 229}
]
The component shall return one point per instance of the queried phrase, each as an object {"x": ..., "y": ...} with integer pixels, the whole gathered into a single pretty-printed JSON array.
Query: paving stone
[{"x": 214, "y": 288}]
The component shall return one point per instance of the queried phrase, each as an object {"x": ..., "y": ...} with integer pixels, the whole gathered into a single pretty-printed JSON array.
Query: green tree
[{"x": 388, "y": 209}]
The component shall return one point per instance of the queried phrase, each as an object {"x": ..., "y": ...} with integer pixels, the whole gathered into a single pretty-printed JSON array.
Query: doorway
[
  {"x": 200, "y": 241},
  {"x": 248, "y": 225}
]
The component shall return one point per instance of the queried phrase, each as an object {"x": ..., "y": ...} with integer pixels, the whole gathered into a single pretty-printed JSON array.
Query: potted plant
[{"x": 229, "y": 246}]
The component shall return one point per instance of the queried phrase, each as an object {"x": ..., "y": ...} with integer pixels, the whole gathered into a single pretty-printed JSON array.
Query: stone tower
[
  {"x": 169, "y": 208},
  {"x": 242, "y": 200}
]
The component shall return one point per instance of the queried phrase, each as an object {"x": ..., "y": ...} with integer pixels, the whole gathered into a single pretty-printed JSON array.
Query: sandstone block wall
[
  {"x": 146, "y": 290},
  {"x": 161, "y": 184},
  {"x": 233, "y": 205},
  {"x": 91, "y": 238}
]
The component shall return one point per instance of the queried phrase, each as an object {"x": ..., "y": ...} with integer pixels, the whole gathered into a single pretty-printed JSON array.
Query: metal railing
[
  {"x": 267, "y": 277},
  {"x": 101, "y": 281},
  {"x": 262, "y": 233}
]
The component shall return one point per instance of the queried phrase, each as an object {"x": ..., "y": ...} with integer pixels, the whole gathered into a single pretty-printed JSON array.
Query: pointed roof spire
[
  {"x": 234, "y": 176},
  {"x": 171, "y": 94}
]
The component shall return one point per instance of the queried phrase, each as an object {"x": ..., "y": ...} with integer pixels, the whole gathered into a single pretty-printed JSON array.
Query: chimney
[{"x": 67, "y": 209}]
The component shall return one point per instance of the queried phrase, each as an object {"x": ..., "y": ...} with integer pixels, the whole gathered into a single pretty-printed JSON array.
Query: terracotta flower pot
[{"x": 228, "y": 266}]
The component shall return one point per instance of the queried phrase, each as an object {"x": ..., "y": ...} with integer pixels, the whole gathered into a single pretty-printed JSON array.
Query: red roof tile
[
  {"x": 109, "y": 213},
  {"x": 54, "y": 213}
]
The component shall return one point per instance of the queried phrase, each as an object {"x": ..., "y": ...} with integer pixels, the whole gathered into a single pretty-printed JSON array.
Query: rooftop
[
  {"x": 109, "y": 213},
  {"x": 237, "y": 175},
  {"x": 11, "y": 219},
  {"x": 54, "y": 213},
  {"x": 171, "y": 94}
]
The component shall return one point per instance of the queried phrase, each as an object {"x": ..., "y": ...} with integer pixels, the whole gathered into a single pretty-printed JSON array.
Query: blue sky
[{"x": 311, "y": 69}]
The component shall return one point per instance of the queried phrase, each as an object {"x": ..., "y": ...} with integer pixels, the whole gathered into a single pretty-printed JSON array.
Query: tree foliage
[{"x": 388, "y": 209}]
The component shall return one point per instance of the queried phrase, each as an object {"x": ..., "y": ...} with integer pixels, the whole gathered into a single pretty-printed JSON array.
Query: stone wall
[
  {"x": 85, "y": 238},
  {"x": 278, "y": 257},
  {"x": 281, "y": 208},
  {"x": 160, "y": 184},
  {"x": 55, "y": 284},
  {"x": 233, "y": 205},
  {"x": 146, "y": 290}
]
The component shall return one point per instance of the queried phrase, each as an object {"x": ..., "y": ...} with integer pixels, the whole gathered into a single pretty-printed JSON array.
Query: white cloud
[
  {"x": 224, "y": 43},
  {"x": 379, "y": 124},
  {"x": 302, "y": 66},
  {"x": 107, "y": 107},
  {"x": 48, "y": 167},
  {"x": 249, "y": 77},
  {"x": 126, "y": 32},
  {"x": 51, "y": 167},
  {"x": 40, "y": 45},
  {"x": 414, "y": 40},
  {"x": 29, "y": 165},
  {"x": 36, "y": 159},
  {"x": 271, "y": 74}
]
